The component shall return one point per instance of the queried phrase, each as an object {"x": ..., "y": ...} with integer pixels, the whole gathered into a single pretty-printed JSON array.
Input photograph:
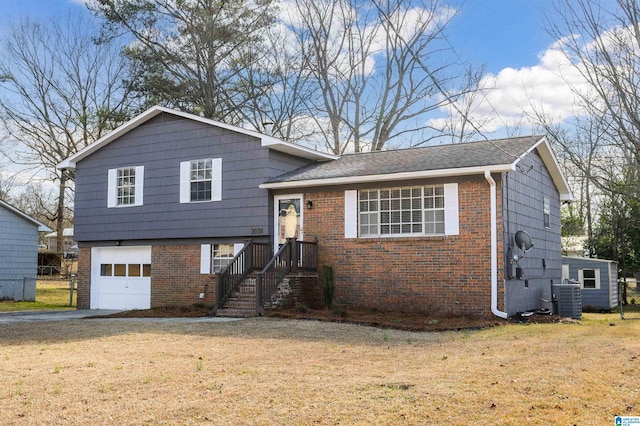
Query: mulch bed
[{"x": 390, "y": 320}]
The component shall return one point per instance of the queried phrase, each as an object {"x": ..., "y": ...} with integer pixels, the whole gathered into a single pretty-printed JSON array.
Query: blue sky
[
  {"x": 498, "y": 33},
  {"x": 508, "y": 37}
]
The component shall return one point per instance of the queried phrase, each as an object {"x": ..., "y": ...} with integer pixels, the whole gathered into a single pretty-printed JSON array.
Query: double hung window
[
  {"x": 125, "y": 186},
  {"x": 201, "y": 180}
]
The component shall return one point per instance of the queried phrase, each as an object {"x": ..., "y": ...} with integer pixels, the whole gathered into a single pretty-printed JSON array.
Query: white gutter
[
  {"x": 494, "y": 245},
  {"x": 422, "y": 174}
]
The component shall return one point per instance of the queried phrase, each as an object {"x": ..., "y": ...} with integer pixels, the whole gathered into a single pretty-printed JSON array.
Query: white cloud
[
  {"x": 370, "y": 31},
  {"x": 84, "y": 2},
  {"x": 513, "y": 95}
]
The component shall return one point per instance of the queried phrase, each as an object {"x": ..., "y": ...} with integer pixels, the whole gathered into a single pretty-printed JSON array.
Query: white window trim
[
  {"x": 206, "y": 256},
  {"x": 112, "y": 190},
  {"x": 451, "y": 215},
  {"x": 581, "y": 278},
  {"x": 216, "y": 181}
]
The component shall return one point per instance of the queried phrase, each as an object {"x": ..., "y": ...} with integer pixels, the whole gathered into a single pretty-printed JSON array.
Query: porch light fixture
[{"x": 309, "y": 204}]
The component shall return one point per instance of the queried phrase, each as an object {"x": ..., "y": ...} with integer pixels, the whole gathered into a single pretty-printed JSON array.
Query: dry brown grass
[{"x": 284, "y": 372}]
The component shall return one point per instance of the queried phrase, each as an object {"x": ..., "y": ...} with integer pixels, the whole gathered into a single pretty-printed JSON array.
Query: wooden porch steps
[{"x": 242, "y": 303}]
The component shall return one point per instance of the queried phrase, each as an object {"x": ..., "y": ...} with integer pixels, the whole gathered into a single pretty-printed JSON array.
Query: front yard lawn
[
  {"x": 283, "y": 372},
  {"x": 50, "y": 294}
]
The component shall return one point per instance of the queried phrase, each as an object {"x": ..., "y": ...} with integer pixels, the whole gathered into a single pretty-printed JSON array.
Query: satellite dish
[{"x": 523, "y": 241}]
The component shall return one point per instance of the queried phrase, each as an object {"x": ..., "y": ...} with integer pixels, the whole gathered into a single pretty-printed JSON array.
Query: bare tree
[
  {"x": 603, "y": 44},
  {"x": 378, "y": 67},
  {"x": 278, "y": 88},
  {"x": 41, "y": 203},
  {"x": 59, "y": 92}
]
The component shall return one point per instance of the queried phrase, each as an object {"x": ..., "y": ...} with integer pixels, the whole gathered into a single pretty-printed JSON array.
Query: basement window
[{"x": 222, "y": 255}]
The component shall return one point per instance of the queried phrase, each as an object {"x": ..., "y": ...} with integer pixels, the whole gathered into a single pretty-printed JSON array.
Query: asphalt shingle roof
[{"x": 437, "y": 157}]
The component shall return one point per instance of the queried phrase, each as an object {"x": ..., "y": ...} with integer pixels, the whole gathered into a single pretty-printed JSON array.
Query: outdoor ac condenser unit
[{"x": 569, "y": 300}]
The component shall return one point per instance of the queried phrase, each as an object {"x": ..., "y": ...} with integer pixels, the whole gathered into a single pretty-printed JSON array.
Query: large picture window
[{"x": 402, "y": 211}]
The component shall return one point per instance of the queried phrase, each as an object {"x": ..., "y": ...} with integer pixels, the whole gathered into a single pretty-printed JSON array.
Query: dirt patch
[{"x": 390, "y": 320}]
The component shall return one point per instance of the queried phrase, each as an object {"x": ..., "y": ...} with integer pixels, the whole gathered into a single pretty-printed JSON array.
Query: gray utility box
[{"x": 568, "y": 299}]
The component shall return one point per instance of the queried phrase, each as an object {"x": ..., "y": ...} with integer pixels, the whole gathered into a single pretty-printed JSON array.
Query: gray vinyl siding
[
  {"x": 160, "y": 145},
  {"x": 18, "y": 254},
  {"x": 606, "y": 297},
  {"x": 523, "y": 193}
]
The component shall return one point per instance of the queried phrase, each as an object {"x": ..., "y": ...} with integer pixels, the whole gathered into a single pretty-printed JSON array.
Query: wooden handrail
[
  {"x": 251, "y": 257},
  {"x": 292, "y": 256}
]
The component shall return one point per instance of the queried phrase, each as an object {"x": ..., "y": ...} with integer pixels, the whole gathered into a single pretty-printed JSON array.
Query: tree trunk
[{"x": 60, "y": 213}]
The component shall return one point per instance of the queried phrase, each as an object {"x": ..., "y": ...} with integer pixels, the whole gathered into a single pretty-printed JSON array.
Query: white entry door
[
  {"x": 121, "y": 277},
  {"x": 288, "y": 217}
]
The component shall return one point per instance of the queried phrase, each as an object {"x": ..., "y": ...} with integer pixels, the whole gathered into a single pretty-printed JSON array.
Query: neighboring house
[
  {"x": 598, "y": 280},
  {"x": 18, "y": 253},
  {"x": 168, "y": 198},
  {"x": 68, "y": 242},
  {"x": 575, "y": 246}
]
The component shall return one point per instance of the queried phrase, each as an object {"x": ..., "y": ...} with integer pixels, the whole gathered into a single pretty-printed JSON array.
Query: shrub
[{"x": 328, "y": 285}]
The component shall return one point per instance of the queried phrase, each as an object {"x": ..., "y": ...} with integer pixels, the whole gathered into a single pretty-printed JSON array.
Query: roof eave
[
  {"x": 41, "y": 226},
  {"x": 551, "y": 162},
  {"x": 423, "y": 174},
  {"x": 265, "y": 140}
]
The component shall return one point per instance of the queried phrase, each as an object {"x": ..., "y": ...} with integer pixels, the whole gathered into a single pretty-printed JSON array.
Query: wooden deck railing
[
  {"x": 253, "y": 256},
  {"x": 293, "y": 256}
]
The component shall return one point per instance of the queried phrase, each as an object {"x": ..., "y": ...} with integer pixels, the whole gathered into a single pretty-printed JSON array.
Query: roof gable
[
  {"x": 495, "y": 156},
  {"x": 41, "y": 226},
  {"x": 265, "y": 140}
]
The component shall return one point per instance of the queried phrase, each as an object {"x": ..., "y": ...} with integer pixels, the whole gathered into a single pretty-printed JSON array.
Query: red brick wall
[
  {"x": 84, "y": 278},
  {"x": 176, "y": 279},
  {"x": 436, "y": 275}
]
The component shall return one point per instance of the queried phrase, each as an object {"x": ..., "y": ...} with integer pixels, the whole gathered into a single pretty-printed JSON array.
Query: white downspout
[{"x": 494, "y": 245}]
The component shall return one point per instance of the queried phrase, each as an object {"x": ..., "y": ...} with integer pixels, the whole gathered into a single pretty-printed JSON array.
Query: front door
[{"x": 288, "y": 218}]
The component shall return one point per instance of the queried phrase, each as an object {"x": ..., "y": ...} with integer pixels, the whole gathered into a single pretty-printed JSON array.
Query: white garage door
[{"x": 121, "y": 277}]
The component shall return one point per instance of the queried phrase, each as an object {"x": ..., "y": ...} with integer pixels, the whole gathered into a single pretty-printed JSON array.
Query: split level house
[{"x": 176, "y": 209}]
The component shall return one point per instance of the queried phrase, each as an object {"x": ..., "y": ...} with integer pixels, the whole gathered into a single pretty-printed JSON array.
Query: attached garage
[{"x": 121, "y": 277}]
